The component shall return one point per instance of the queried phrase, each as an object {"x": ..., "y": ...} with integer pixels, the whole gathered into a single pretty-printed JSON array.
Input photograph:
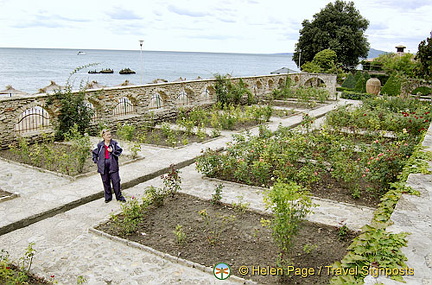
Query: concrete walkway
[{"x": 56, "y": 213}]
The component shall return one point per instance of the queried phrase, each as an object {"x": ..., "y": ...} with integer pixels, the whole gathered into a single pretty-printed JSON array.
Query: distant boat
[
  {"x": 81, "y": 53},
  {"x": 127, "y": 71}
]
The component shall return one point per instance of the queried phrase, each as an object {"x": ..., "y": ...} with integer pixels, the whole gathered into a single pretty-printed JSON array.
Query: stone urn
[{"x": 373, "y": 86}]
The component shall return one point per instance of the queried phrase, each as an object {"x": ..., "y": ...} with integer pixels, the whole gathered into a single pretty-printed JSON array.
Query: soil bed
[
  {"x": 239, "y": 241},
  {"x": 297, "y": 105},
  {"x": 329, "y": 188},
  {"x": 283, "y": 113},
  {"x": 174, "y": 138}
]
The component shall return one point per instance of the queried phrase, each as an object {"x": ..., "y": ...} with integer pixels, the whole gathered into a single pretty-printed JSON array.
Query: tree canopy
[
  {"x": 339, "y": 27},
  {"x": 324, "y": 61},
  {"x": 424, "y": 58},
  {"x": 397, "y": 63}
]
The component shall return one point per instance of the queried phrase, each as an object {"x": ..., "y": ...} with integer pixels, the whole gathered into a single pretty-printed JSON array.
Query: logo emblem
[{"x": 222, "y": 271}]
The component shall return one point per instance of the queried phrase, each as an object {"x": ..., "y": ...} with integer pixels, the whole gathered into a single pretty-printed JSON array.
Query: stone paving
[{"x": 56, "y": 214}]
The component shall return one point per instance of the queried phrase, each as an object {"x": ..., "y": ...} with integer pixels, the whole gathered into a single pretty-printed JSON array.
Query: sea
[{"x": 30, "y": 69}]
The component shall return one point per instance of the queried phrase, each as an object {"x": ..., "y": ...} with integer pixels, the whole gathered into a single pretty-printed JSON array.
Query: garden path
[{"x": 55, "y": 213}]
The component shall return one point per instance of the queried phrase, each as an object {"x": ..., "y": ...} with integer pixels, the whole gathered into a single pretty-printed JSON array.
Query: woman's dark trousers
[{"x": 107, "y": 178}]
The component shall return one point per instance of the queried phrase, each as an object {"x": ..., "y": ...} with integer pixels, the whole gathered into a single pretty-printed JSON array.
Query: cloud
[
  {"x": 123, "y": 14},
  {"x": 45, "y": 20},
  {"x": 182, "y": 11},
  {"x": 216, "y": 37},
  {"x": 405, "y": 5}
]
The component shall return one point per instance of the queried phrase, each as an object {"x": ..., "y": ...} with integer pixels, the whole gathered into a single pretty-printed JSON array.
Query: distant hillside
[{"x": 374, "y": 53}]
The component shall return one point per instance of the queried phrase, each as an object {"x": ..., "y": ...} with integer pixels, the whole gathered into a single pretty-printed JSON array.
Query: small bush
[
  {"x": 349, "y": 81},
  {"x": 392, "y": 86},
  {"x": 422, "y": 90},
  {"x": 353, "y": 95}
]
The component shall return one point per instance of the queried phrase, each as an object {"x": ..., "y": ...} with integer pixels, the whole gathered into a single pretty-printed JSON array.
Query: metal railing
[
  {"x": 33, "y": 119},
  {"x": 123, "y": 107}
]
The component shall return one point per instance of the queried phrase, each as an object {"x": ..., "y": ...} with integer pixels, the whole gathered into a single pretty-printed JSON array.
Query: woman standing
[{"x": 105, "y": 155}]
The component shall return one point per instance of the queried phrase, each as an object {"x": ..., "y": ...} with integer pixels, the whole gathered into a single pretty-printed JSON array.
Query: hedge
[{"x": 355, "y": 95}]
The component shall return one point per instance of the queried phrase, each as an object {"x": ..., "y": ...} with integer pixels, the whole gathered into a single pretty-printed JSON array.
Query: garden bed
[
  {"x": 283, "y": 112},
  {"x": 230, "y": 117},
  {"x": 235, "y": 236},
  {"x": 169, "y": 136},
  {"x": 53, "y": 160},
  {"x": 13, "y": 272},
  {"x": 295, "y": 104}
]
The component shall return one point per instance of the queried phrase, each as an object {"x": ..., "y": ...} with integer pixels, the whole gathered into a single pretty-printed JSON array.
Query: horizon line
[{"x": 107, "y": 49}]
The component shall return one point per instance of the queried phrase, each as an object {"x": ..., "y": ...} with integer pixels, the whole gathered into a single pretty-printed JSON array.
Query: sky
[{"x": 236, "y": 26}]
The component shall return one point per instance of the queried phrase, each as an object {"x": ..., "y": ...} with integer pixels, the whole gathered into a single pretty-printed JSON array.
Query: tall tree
[
  {"x": 339, "y": 27},
  {"x": 424, "y": 58}
]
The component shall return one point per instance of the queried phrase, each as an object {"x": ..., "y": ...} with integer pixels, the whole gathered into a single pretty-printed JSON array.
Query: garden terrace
[{"x": 56, "y": 214}]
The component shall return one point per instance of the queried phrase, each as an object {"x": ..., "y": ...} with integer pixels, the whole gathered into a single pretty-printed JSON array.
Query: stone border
[
  {"x": 9, "y": 197},
  {"x": 165, "y": 256}
]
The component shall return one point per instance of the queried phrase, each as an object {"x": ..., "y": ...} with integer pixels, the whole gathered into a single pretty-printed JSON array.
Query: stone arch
[
  {"x": 208, "y": 93},
  {"x": 259, "y": 85},
  {"x": 124, "y": 107},
  {"x": 157, "y": 100},
  {"x": 190, "y": 92},
  {"x": 90, "y": 105},
  {"x": 281, "y": 83},
  {"x": 33, "y": 119},
  {"x": 270, "y": 84},
  {"x": 314, "y": 82},
  {"x": 182, "y": 98},
  {"x": 415, "y": 87}
]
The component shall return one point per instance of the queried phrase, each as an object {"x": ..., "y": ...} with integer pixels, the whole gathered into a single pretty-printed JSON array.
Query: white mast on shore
[{"x": 141, "y": 60}]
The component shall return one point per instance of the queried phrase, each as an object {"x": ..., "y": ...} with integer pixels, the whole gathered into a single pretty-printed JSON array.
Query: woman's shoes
[{"x": 122, "y": 199}]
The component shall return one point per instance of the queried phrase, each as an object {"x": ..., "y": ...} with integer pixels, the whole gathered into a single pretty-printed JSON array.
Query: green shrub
[
  {"x": 229, "y": 93},
  {"x": 290, "y": 204},
  {"x": 422, "y": 90},
  {"x": 355, "y": 95},
  {"x": 341, "y": 89},
  {"x": 360, "y": 85},
  {"x": 126, "y": 132},
  {"x": 392, "y": 86},
  {"x": 349, "y": 82}
]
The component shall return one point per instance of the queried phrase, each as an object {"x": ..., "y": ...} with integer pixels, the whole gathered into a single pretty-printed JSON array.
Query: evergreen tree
[
  {"x": 349, "y": 81},
  {"x": 339, "y": 27},
  {"x": 392, "y": 86},
  {"x": 424, "y": 57},
  {"x": 361, "y": 84}
]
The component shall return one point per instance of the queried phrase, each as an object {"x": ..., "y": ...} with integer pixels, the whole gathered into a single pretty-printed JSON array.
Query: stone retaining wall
[{"x": 137, "y": 104}]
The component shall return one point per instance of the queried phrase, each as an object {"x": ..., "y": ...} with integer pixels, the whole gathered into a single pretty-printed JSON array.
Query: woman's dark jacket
[{"x": 99, "y": 156}]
